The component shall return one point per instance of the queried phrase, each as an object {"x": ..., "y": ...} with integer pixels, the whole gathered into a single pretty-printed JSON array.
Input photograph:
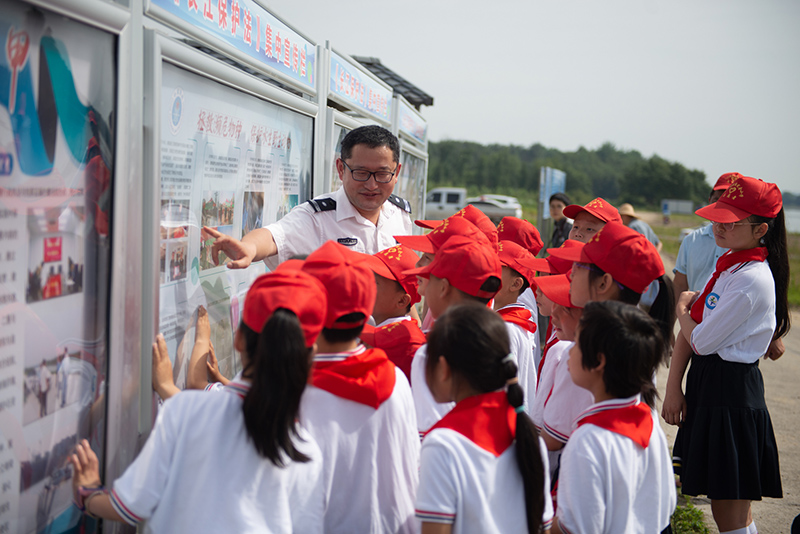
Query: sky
[{"x": 711, "y": 84}]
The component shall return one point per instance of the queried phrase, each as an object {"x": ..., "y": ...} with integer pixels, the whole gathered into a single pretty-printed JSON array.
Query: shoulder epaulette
[
  {"x": 322, "y": 204},
  {"x": 401, "y": 203}
]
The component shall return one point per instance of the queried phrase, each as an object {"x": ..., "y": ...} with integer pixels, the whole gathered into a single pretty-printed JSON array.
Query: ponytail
[
  {"x": 474, "y": 341},
  {"x": 778, "y": 259},
  {"x": 278, "y": 364},
  {"x": 663, "y": 308},
  {"x": 529, "y": 456}
]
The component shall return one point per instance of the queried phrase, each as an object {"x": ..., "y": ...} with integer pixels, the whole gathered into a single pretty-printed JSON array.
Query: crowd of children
[{"x": 350, "y": 417}]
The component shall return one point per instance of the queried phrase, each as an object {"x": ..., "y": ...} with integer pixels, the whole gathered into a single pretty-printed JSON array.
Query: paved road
[{"x": 782, "y": 383}]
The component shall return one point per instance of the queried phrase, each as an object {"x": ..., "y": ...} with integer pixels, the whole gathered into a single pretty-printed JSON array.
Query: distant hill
[{"x": 616, "y": 175}]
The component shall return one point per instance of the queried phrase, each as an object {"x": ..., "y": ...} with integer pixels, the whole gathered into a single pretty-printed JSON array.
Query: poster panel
[
  {"x": 57, "y": 105},
  {"x": 411, "y": 182},
  {"x": 339, "y": 133},
  {"x": 232, "y": 162}
]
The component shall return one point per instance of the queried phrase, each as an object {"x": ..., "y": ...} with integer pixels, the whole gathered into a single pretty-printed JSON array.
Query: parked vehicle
[{"x": 443, "y": 202}]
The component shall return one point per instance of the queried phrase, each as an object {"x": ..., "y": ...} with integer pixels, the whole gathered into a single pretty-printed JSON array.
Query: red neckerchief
[
  {"x": 551, "y": 340},
  {"x": 487, "y": 420},
  {"x": 400, "y": 342},
  {"x": 367, "y": 377},
  {"x": 632, "y": 420},
  {"x": 518, "y": 315},
  {"x": 725, "y": 262}
]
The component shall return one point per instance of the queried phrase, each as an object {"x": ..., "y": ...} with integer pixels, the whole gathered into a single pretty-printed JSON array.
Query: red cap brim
[
  {"x": 574, "y": 253},
  {"x": 722, "y": 212},
  {"x": 556, "y": 288},
  {"x": 420, "y": 243},
  {"x": 540, "y": 265},
  {"x": 429, "y": 224},
  {"x": 424, "y": 272},
  {"x": 378, "y": 267}
]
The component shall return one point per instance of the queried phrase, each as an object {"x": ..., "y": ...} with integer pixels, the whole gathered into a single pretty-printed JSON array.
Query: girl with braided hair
[{"x": 483, "y": 467}]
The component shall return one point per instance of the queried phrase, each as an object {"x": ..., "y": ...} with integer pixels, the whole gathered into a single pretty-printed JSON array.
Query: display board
[
  {"x": 57, "y": 108},
  {"x": 411, "y": 182},
  {"x": 232, "y": 162}
]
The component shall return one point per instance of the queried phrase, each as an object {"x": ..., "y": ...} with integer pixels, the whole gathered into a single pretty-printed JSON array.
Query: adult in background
[
  {"x": 633, "y": 222},
  {"x": 362, "y": 215},
  {"x": 44, "y": 375},
  {"x": 561, "y": 224}
]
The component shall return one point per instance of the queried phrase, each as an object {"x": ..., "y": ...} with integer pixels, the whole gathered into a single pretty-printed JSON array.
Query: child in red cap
[
  {"x": 516, "y": 279},
  {"x": 359, "y": 407},
  {"x": 726, "y": 445},
  {"x": 395, "y": 332},
  {"x": 527, "y": 236},
  {"x": 615, "y": 471},
  {"x": 590, "y": 218},
  {"x": 463, "y": 271},
  {"x": 237, "y": 461}
]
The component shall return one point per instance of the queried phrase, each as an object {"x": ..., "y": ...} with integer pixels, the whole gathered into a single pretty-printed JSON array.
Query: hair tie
[
  {"x": 520, "y": 408},
  {"x": 509, "y": 358},
  {"x": 511, "y": 381}
]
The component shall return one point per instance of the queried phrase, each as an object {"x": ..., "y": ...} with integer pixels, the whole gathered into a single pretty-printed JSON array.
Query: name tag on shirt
[{"x": 348, "y": 241}]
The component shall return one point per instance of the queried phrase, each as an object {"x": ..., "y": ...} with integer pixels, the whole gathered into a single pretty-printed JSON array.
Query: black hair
[
  {"x": 560, "y": 196},
  {"x": 663, "y": 308},
  {"x": 631, "y": 342},
  {"x": 278, "y": 365},
  {"x": 474, "y": 341},
  {"x": 517, "y": 274},
  {"x": 373, "y": 136},
  {"x": 491, "y": 285},
  {"x": 778, "y": 260},
  {"x": 343, "y": 335}
]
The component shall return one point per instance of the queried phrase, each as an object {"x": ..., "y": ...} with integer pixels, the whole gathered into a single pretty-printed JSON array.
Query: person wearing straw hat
[{"x": 632, "y": 221}]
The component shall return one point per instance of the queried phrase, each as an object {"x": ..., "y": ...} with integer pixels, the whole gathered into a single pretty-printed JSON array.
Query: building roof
[{"x": 415, "y": 96}]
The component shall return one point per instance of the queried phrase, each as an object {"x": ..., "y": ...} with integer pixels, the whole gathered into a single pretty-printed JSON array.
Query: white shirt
[
  {"x": 199, "y": 472},
  {"x": 44, "y": 378},
  {"x": 371, "y": 459},
  {"x": 611, "y": 485},
  {"x": 566, "y": 402},
  {"x": 303, "y": 230},
  {"x": 528, "y": 299},
  {"x": 546, "y": 380},
  {"x": 471, "y": 488},
  {"x": 523, "y": 345},
  {"x": 427, "y": 409},
  {"x": 738, "y": 315}
]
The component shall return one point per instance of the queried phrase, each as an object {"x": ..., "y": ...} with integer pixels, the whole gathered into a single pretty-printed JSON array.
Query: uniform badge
[
  {"x": 348, "y": 241},
  {"x": 711, "y": 301}
]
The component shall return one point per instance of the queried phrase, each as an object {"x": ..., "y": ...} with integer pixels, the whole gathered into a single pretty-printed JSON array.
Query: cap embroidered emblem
[
  {"x": 391, "y": 327},
  {"x": 732, "y": 191},
  {"x": 596, "y": 203},
  {"x": 500, "y": 246},
  {"x": 441, "y": 228},
  {"x": 500, "y": 226},
  {"x": 392, "y": 253},
  {"x": 595, "y": 237}
]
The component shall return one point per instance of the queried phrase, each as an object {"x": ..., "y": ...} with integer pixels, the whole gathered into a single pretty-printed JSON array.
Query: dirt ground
[{"x": 782, "y": 383}]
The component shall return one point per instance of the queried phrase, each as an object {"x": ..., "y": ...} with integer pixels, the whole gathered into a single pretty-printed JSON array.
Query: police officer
[{"x": 363, "y": 214}]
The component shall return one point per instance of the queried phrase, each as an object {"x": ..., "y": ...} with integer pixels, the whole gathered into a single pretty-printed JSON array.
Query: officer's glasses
[{"x": 382, "y": 177}]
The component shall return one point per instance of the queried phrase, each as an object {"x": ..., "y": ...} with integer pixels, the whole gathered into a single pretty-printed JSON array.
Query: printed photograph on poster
[
  {"x": 206, "y": 240},
  {"x": 287, "y": 203},
  {"x": 46, "y": 473},
  {"x": 217, "y": 208},
  {"x": 176, "y": 219},
  {"x": 177, "y": 260},
  {"x": 55, "y": 254},
  {"x": 252, "y": 211}
]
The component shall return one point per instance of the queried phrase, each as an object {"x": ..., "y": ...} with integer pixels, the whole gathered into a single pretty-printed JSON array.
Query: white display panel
[
  {"x": 232, "y": 162},
  {"x": 57, "y": 107},
  {"x": 412, "y": 180}
]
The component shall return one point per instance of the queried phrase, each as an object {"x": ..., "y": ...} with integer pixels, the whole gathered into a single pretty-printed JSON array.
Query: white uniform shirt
[
  {"x": 546, "y": 380},
  {"x": 303, "y": 230},
  {"x": 528, "y": 299},
  {"x": 44, "y": 378},
  {"x": 522, "y": 344},
  {"x": 199, "y": 472},
  {"x": 566, "y": 401},
  {"x": 427, "y": 409},
  {"x": 371, "y": 459},
  {"x": 608, "y": 484},
  {"x": 471, "y": 488},
  {"x": 738, "y": 315}
]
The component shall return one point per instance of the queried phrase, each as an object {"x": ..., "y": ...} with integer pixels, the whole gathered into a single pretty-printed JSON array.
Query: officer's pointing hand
[{"x": 240, "y": 253}]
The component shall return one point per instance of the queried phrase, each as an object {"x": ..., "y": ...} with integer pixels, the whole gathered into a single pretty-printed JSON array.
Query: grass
[
  {"x": 687, "y": 519},
  {"x": 794, "y": 270}
]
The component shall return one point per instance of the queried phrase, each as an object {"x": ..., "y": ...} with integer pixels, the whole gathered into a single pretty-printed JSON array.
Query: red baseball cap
[
  {"x": 293, "y": 290},
  {"x": 744, "y": 197},
  {"x": 349, "y": 282},
  {"x": 391, "y": 262},
  {"x": 511, "y": 253},
  {"x": 599, "y": 207},
  {"x": 556, "y": 288},
  {"x": 520, "y": 232},
  {"x": 449, "y": 227},
  {"x": 725, "y": 181},
  {"x": 466, "y": 264},
  {"x": 291, "y": 264},
  {"x": 623, "y": 253},
  {"x": 473, "y": 215},
  {"x": 552, "y": 264}
]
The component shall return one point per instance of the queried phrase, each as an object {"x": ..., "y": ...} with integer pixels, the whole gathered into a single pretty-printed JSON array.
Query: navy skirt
[{"x": 726, "y": 447}]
